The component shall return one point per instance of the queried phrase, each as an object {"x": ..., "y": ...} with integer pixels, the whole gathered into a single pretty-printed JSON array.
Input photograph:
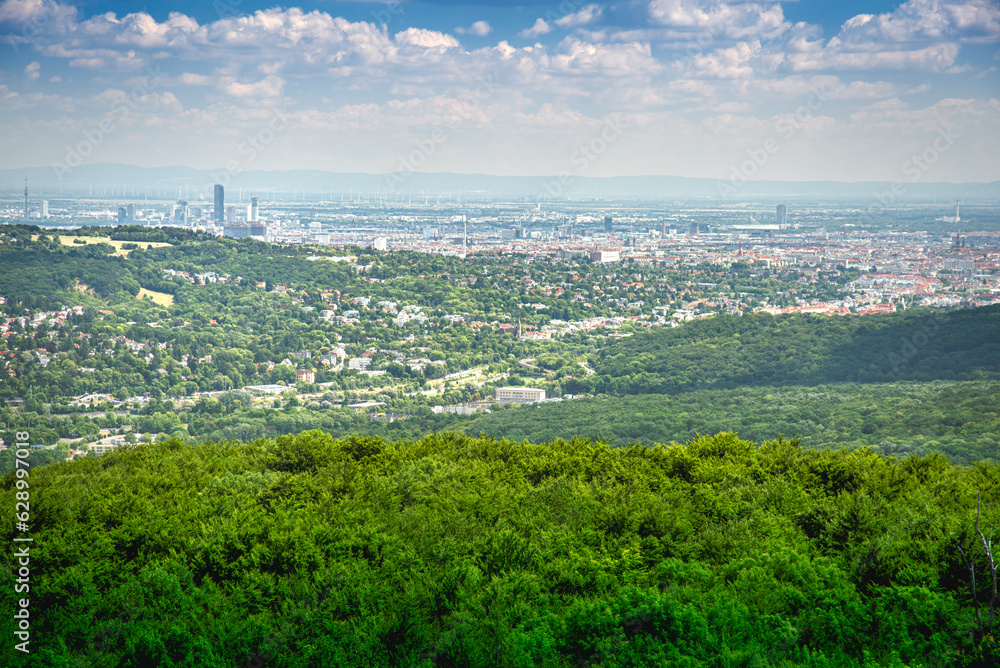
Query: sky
[{"x": 722, "y": 89}]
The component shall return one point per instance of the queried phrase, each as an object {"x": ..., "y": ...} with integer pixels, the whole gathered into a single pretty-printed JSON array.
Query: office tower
[
  {"x": 130, "y": 213},
  {"x": 607, "y": 223},
  {"x": 181, "y": 212},
  {"x": 122, "y": 215},
  {"x": 253, "y": 210},
  {"x": 380, "y": 243},
  {"x": 220, "y": 204},
  {"x": 45, "y": 208},
  {"x": 663, "y": 229},
  {"x": 781, "y": 214},
  {"x": 26, "y": 198}
]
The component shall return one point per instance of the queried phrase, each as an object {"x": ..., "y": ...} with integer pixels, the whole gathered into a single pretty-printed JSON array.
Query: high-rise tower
[
  {"x": 220, "y": 204},
  {"x": 25, "y": 198}
]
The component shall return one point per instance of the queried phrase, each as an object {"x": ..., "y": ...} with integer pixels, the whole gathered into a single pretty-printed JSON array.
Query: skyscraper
[
  {"x": 130, "y": 211},
  {"x": 220, "y": 204},
  {"x": 607, "y": 224},
  {"x": 122, "y": 215},
  {"x": 26, "y": 198},
  {"x": 252, "y": 211},
  {"x": 781, "y": 214}
]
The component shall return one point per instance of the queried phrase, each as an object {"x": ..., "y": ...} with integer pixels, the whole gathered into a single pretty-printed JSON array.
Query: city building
[
  {"x": 605, "y": 256},
  {"x": 305, "y": 376},
  {"x": 380, "y": 244},
  {"x": 220, "y": 204},
  {"x": 608, "y": 224},
  {"x": 180, "y": 213},
  {"x": 252, "y": 211},
  {"x": 519, "y": 395},
  {"x": 237, "y": 231},
  {"x": 781, "y": 215},
  {"x": 122, "y": 215},
  {"x": 45, "y": 208}
]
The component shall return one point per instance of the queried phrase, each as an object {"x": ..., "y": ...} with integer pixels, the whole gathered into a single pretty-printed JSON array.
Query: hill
[
  {"x": 310, "y": 551},
  {"x": 764, "y": 350},
  {"x": 483, "y": 187},
  {"x": 960, "y": 419}
]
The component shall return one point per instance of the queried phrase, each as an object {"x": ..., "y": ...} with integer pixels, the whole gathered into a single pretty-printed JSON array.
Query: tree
[{"x": 985, "y": 546}]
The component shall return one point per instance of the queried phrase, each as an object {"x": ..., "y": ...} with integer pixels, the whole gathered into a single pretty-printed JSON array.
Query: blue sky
[{"x": 722, "y": 89}]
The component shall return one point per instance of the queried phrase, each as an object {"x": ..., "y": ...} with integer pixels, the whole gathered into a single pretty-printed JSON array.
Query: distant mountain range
[{"x": 197, "y": 184}]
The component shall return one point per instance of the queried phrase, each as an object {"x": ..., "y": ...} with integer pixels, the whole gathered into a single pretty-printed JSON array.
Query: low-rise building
[{"x": 519, "y": 395}]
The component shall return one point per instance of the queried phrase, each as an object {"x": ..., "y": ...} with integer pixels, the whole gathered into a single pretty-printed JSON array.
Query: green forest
[
  {"x": 958, "y": 419},
  {"x": 463, "y": 551}
]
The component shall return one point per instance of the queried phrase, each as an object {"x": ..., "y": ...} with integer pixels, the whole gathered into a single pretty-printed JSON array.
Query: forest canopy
[{"x": 455, "y": 550}]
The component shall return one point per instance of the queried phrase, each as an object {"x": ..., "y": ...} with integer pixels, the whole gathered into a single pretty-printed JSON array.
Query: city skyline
[{"x": 734, "y": 91}]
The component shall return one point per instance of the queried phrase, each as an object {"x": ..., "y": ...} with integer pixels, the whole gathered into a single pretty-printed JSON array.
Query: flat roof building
[{"x": 519, "y": 395}]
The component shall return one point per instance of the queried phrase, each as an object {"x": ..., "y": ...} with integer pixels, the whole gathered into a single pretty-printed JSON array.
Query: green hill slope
[
  {"x": 759, "y": 349},
  {"x": 460, "y": 551},
  {"x": 959, "y": 418}
]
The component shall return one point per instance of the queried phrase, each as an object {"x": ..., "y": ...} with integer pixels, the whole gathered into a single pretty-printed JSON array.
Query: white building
[
  {"x": 605, "y": 256},
  {"x": 519, "y": 395}
]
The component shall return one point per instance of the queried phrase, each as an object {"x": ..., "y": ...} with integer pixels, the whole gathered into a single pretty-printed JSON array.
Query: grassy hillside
[
  {"x": 310, "y": 551},
  {"x": 959, "y": 419}
]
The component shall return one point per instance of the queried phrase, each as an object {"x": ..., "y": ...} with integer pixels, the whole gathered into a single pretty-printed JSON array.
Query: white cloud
[
  {"x": 718, "y": 18},
  {"x": 835, "y": 55},
  {"x": 585, "y": 16},
  {"x": 541, "y": 27},
  {"x": 269, "y": 86},
  {"x": 925, "y": 20},
  {"x": 479, "y": 29},
  {"x": 192, "y": 79},
  {"x": 425, "y": 39},
  {"x": 32, "y": 70}
]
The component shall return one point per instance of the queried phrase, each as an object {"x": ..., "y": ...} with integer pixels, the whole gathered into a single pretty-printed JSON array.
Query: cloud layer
[{"x": 697, "y": 82}]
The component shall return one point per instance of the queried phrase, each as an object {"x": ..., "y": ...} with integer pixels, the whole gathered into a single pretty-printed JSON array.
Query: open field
[
  {"x": 161, "y": 298},
  {"x": 69, "y": 241}
]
